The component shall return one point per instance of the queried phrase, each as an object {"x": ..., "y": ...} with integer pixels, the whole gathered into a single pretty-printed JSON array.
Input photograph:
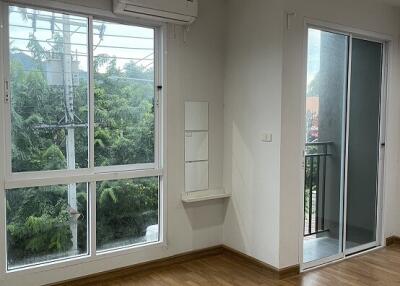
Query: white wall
[
  {"x": 264, "y": 78},
  {"x": 252, "y": 105},
  {"x": 250, "y": 68},
  {"x": 195, "y": 72}
]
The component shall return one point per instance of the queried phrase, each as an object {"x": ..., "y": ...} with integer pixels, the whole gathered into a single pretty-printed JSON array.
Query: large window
[{"x": 83, "y": 170}]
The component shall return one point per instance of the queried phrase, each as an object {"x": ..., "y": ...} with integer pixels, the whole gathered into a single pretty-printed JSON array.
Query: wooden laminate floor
[{"x": 381, "y": 267}]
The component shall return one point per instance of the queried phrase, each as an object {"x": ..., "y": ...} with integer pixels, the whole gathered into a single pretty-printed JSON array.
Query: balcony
[
  {"x": 314, "y": 188},
  {"x": 319, "y": 241}
]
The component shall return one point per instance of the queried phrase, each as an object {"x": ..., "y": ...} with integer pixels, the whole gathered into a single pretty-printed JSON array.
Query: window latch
[
  {"x": 6, "y": 91},
  {"x": 159, "y": 88}
]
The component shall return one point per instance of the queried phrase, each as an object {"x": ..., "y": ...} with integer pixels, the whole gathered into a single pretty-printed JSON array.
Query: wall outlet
[{"x": 266, "y": 137}]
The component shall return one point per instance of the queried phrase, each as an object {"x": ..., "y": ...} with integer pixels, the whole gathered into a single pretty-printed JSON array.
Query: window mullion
[
  {"x": 5, "y": 49},
  {"x": 26, "y": 180},
  {"x": 91, "y": 94},
  {"x": 157, "y": 103},
  {"x": 4, "y": 162},
  {"x": 3, "y": 245},
  {"x": 92, "y": 184},
  {"x": 92, "y": 218}
]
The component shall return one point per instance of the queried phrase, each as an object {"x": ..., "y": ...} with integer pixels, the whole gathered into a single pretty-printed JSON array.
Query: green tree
[{"x": 38, "y": 219}]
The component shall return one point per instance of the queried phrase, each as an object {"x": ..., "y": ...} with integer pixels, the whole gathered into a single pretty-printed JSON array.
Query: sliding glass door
[
  {"x": 363, "y": 144},
  {"x": 325, "y": 141},
  {"x": 344, "y": 82}
]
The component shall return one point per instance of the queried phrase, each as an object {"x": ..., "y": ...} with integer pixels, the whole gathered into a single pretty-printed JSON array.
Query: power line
[
  {"x": 84, "y": 33},
  {"x": 79, "y": 44},
  {"x": 124, "y": 58},
  {"x": 47, "y": 41},
  {"x": 60, "y": 19},
  {"x": 80, "y": 54},
  {"x": 60, "y": 126},
  {"x": 44, "y": 17},
  {"x": 126, "y": 48},
  {"x": 111, "y": 77},
  {"x": 145, "y": 58},
  {"x": 132, "y": 78}
]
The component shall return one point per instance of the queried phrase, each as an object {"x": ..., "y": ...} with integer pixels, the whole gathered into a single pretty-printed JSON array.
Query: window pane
[
  {"x": 46, "y": 224},
  {"x": 124, "y": 94},
  {"x": 127, "y": 212},
  {"x": 49, "y": 87}
]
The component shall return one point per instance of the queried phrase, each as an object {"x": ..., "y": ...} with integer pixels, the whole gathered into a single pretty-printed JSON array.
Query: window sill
[{"x": 84, "y": 259}]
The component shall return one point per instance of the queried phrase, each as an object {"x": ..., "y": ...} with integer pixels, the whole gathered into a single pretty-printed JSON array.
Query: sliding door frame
[
  {"x": 385, "y": 40},
  {"x": 381, "y": 152},
  {"x": 339, "y": 255}
]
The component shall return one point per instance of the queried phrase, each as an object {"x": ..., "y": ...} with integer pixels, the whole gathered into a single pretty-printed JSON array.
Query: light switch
[{"x": 266, "y": 137}]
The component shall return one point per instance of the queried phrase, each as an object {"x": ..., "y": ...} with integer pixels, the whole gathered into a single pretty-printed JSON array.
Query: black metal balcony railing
[{"x": 316, "y": 156}]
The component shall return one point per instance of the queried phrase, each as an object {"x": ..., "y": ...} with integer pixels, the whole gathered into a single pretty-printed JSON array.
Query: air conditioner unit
[{"x": 171, "y": 11}]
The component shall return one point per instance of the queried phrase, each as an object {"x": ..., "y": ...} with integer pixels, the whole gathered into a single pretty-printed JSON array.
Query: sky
[
  {"x": 314, "y": 54},
  {"x": 123, "y": 41}
]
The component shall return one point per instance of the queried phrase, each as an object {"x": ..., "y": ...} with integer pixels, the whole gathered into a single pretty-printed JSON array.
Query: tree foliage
[{"x": 38, "y": 219}]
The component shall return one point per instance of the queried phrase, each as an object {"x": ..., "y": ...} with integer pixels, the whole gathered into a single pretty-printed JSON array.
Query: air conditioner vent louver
[{"x": 172, "y": 11}]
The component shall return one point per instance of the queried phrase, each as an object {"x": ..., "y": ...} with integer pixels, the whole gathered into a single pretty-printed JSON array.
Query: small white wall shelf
[
  {"x": 196, "y": 155},
  {"x": 191, "y": 197}
]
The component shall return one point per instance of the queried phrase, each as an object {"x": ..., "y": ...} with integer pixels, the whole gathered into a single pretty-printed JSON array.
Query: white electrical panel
[
  {"x": 196, "y": 116},
  {"x": 196, "y": 176},
  {"x": 196, "y": 146}
]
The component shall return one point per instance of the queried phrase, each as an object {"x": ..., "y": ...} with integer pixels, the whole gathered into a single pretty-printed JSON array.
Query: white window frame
[{"x": 91, "y": 174}]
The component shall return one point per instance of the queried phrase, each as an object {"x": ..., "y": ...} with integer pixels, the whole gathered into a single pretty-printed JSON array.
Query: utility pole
[
  {"x": 69, "y": 124},
  {"x": 69, "y": 120}
]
